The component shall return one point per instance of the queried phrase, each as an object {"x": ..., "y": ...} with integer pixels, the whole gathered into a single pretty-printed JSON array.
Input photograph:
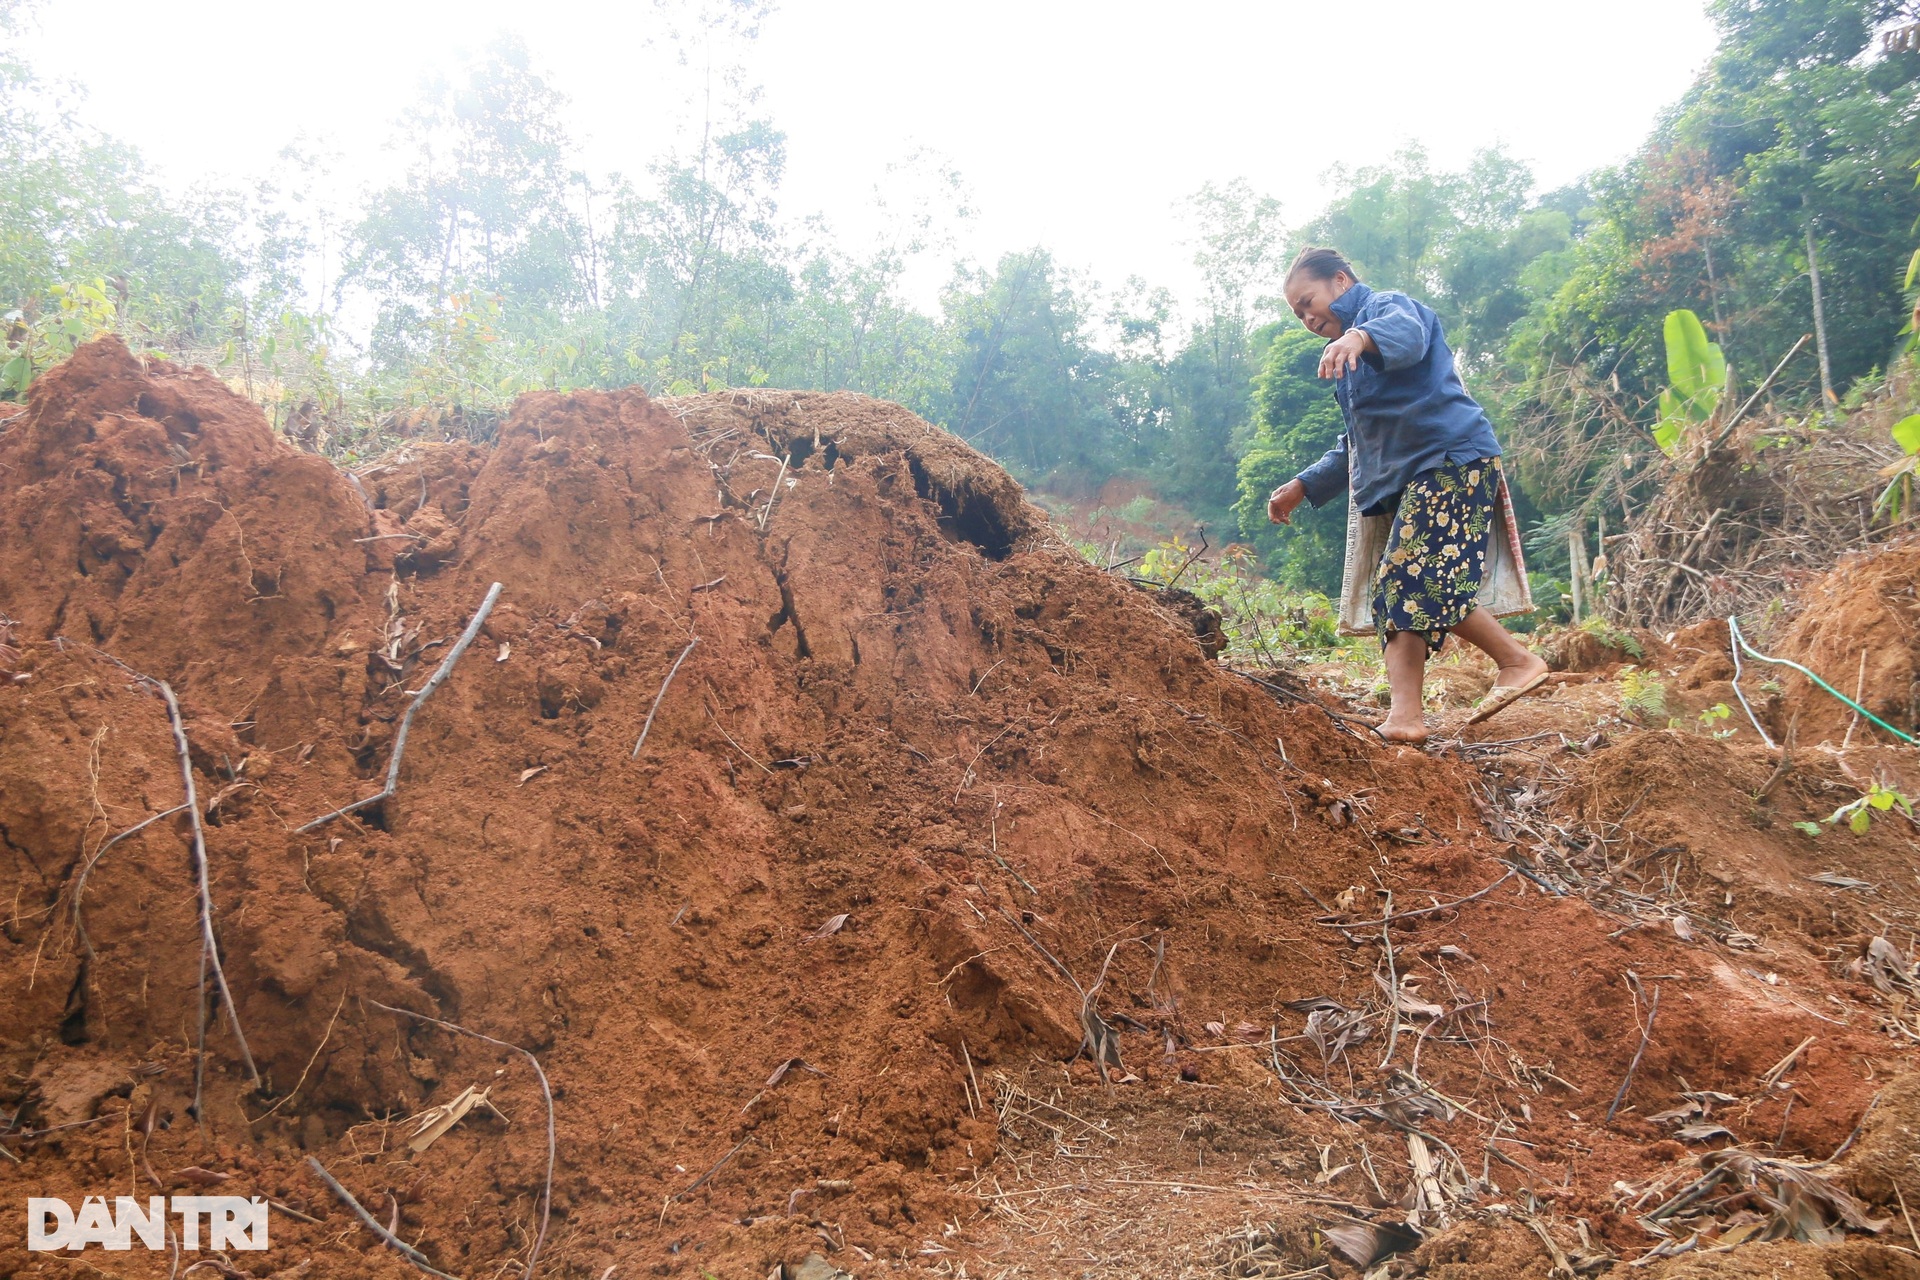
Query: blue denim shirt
[{"x": 1406, "y": 409}]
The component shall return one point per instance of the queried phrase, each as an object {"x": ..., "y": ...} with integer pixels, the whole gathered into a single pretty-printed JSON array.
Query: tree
[
  {"x": 88, "y": 243},
  {"x": 1788, "y": 155},
  {"x": 482, "y": 213},
  {"x": 1295, "y": 421},
  {"x": 1028, "y": 385}
]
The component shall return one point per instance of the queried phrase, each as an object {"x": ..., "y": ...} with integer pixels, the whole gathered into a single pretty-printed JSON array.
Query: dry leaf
[
  {"x": 1682, "y": 928},
  {"x": 1417, "y": 1008},
  {"x": 435, "y": 1121},
  {"x": 1350, "y": 899},
  {"x": 1365, "y": 1243},
  {"x": 1331, "y": 1032},
  {"x": 791, "y": 1064},
  {"x": 831, "y": 927},
  {"x": 1328, "y": 1172},
  {"x": 528, "y": 773},
  {"x": 1407, "y": 998},
  {"x": 1216, "y": 1029},
  {"x": 1248, "y": 1031},
  {"x": 1704, "y": 1132},
  {"x": 1885, "y": 968}
]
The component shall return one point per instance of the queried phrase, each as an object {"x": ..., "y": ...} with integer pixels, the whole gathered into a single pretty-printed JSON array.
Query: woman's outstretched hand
[
  {"x": 1343, "y": 353},
  {"x": 1282, "y": 501}
]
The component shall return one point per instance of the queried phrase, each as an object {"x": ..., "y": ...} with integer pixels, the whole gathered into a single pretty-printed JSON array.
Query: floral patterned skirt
[{"x": 1429, "y": 579}]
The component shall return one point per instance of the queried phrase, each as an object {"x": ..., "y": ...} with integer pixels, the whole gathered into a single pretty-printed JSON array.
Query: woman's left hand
[{"x": 1343, "y": 353}]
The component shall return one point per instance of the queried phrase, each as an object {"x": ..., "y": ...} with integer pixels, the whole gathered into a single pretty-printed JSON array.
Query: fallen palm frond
[
  {"x": 1365, "y": 1243},
  {"x": 1788, "y": 1201}
]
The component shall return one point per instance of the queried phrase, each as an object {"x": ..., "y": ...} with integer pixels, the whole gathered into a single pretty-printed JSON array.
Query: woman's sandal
[{"x": 1500, "y": 697}]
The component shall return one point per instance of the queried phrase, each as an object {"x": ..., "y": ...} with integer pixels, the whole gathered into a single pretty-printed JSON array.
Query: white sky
[{"x": 1078, "y": 125}]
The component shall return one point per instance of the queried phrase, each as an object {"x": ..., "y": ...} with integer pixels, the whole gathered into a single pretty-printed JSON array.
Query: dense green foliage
[{"x": 494, "y": 265}]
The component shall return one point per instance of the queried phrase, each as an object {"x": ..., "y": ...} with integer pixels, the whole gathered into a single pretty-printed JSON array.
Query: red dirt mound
[
  {"x": 1858, "y": 626},
  {"x": 912, "y": 773}
]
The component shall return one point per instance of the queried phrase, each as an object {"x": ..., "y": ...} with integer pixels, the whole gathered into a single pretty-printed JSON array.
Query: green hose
[{"x": 1733, "y": 626}]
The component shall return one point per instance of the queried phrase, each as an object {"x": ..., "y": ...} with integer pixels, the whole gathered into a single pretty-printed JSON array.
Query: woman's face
[{"x": 1312, "y": 301}]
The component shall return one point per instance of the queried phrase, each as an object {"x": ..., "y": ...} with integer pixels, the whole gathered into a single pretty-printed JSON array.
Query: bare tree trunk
[
  {"x": 1713, "y": 292},
  {"x": 1573, "y": 571},
  {"x": 1819, "y": 318}
]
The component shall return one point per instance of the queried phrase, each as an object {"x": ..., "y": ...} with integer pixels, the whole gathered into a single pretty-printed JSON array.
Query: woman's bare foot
[{"x": 1408, "y": 730}]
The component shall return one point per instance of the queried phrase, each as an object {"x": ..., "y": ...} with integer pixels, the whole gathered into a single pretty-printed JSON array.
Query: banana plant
[
  {"x": 1700, "y": 376},
  {"x": 1896, "y": 500}
]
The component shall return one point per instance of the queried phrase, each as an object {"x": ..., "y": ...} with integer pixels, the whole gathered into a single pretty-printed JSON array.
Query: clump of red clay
[
  {"x": 1858, "y": 627},
  {"x": 770, "y": 965}
]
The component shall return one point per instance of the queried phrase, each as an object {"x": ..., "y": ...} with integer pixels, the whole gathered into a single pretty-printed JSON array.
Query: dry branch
[
  {"x": 1422, "y": 911},
  {"x": 209, "y": 949},
  {"x": 406, "y": 721},
  {"x": 387, "y": 1237},
  {"x": 672, "y": 671},
  {"x": 1646, "y": 1034}
]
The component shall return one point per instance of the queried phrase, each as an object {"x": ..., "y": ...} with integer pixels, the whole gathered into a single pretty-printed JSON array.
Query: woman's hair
[{"x": 1320, "y": 264}]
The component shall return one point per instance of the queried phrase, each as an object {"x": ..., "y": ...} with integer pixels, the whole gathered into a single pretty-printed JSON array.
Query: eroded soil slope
[{"x": 922, "y": 779}]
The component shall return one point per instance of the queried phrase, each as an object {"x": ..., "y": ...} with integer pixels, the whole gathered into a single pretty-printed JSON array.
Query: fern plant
[
  {"x": 1614, "y": 637},
  {"x": 1643, "y": 695}
]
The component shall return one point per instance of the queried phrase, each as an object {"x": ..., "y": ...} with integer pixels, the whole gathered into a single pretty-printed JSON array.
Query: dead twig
[
  {"x": 1780, "y": 1068},
  {"x": 326, "y": 1036},
  {"x": 730, "y": 742},
  {"x": 1393, "y": 980},
  {"x": 654, "y": 710},
  {"x": 406, "y": 721},
  {"x": 1646, "y": 1034},
  {"x": 1095, "y": 1033},
  {"x": 387, "y": 1237},
  {"x": 546, "y": 1091},
  {"x": 1758, "y": 391},
  {"x": 209, "y": 948},
  {"x": 778, "y": 480},
  {"x": 80, "y": 881},
  {"x": 1423, "y": 911},
  {"x": 719, "y": 1164}
]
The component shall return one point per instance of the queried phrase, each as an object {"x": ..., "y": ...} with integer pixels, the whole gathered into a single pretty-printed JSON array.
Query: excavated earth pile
[
  {"x": 924, "y": 803},
  {"x": 1859, "y": 626}
]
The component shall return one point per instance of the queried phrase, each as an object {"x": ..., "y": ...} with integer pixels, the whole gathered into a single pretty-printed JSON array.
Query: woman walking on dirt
[{"x": 1419, "y": 447}]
